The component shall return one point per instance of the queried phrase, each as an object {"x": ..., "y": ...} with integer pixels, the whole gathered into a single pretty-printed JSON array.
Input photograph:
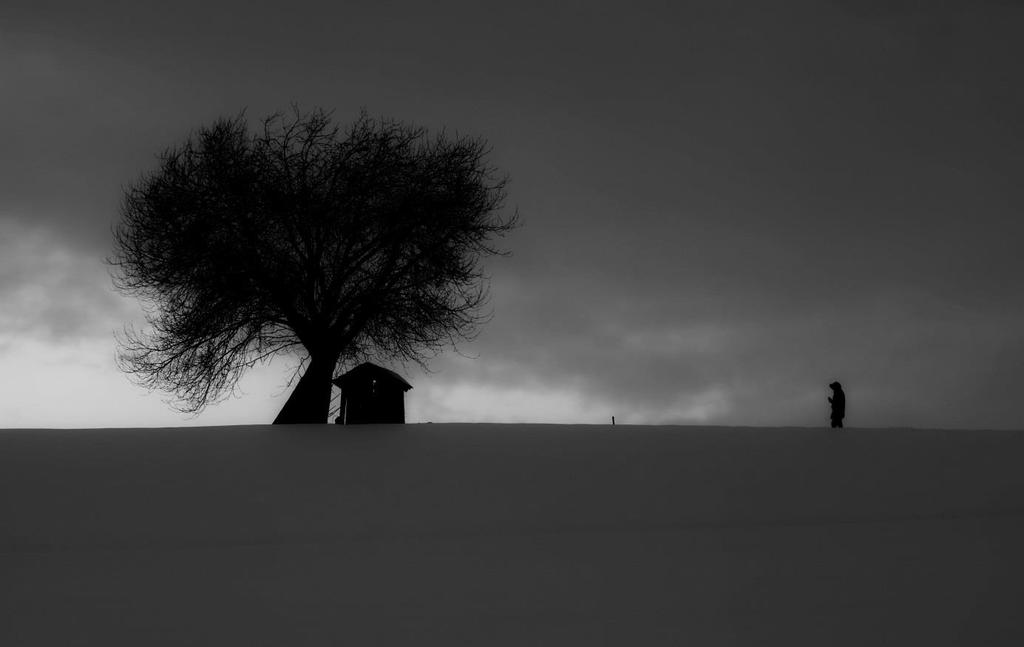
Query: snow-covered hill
[{"x": 445, "y": 534}]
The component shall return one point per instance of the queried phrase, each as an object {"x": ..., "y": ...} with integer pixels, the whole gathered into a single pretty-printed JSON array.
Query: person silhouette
[{"x": 838, "y": 402}]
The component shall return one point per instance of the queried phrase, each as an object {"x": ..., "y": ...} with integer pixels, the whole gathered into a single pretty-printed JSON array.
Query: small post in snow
[{"x": 613, "y": 421}]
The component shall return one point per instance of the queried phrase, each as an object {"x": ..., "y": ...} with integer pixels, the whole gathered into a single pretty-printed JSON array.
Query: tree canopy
[{"x": 299, "y": 236}]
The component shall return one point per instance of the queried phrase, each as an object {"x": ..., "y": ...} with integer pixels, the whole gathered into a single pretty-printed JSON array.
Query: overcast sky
[{"x": 725, "y": 205}]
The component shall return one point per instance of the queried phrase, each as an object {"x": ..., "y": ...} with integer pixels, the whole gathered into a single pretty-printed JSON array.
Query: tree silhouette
[{"x": 335, "y": 245}]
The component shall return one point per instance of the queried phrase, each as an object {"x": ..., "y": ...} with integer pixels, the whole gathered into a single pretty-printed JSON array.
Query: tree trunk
[{"x": 310, "y": 402}]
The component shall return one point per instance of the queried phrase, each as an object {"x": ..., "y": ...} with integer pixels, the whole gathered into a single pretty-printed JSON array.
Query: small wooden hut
[{"x": 371, "y": 394}]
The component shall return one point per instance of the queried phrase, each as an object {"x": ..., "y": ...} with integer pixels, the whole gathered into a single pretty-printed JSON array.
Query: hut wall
[{"x": 373, "y": 405}]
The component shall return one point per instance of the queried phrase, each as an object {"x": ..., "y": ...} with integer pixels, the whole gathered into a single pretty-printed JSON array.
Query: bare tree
[{"x": 335, "y": 245}]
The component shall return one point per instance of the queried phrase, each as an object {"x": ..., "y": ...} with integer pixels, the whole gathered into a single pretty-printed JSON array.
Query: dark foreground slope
[{"x": 511, "y": 535}]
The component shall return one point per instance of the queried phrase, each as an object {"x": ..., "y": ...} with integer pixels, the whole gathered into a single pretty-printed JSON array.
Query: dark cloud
[
  {"x": 905, "y": 362},
  {"x": 52, "y": 292}
]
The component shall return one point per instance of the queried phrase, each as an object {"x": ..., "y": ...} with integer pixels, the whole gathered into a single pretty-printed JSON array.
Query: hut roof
[{"x": 366, "y": 370}]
